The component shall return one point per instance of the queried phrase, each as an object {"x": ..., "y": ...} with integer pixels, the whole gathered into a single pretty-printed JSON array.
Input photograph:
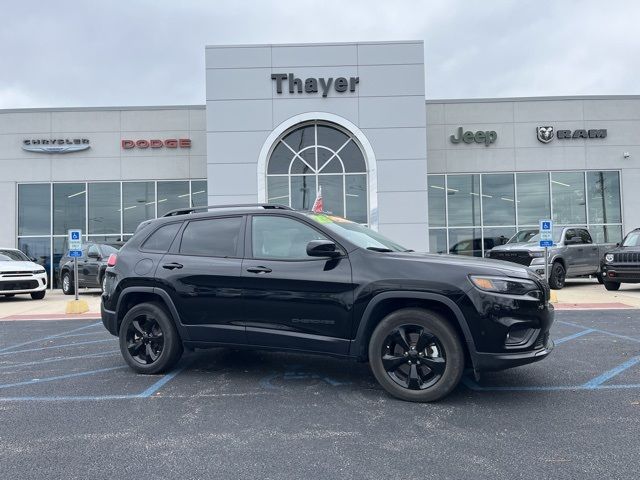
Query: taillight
[{"x": 113, "y": 258}]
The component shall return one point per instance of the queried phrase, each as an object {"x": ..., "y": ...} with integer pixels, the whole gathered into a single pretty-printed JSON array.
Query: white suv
[{"x": 18, "y": 274}]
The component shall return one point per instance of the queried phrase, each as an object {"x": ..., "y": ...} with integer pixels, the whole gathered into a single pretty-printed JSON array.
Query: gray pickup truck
[{"x": 573, "y": 255}]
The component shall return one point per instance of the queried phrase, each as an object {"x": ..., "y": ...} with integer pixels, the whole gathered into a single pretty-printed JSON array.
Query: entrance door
[{"x": 293, "y": 300}]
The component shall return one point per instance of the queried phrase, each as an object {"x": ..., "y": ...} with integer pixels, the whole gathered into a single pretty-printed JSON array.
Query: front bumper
[
  {"x": 485, "y": 362},
  {"x": 621, "y": 273},
  {"x": 27, "y": 283}
]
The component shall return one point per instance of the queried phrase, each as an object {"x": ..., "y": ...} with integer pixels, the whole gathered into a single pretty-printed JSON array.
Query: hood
[
  {"x": 624, "y": 250},
  {"x": 472, "y": 265},
  {"x": 523, "y": 247},
  {"x": 13, "y": 266}
]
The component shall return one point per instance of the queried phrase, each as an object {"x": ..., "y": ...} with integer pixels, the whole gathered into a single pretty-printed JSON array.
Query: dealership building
[{"x": 282, "y": 121}]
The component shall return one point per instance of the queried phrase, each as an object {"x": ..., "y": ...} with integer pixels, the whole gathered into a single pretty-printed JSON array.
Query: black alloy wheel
[
  {"x": 149, "y": 342},
  {"x": 416, "y": 355},
  {"x": 145, "y": 339},
  {"x": 413, "y": 357},
  {"x": 557, "y": 277}
]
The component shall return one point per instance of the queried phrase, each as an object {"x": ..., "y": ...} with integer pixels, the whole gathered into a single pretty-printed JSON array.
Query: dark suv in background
[
  {"x": 91, "y": 267},
  {"x": 269, "y": 277},
  {"x": 622, "y": 263}
]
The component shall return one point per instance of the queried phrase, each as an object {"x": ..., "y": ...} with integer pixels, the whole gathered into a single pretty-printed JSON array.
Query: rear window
[
  {"x": 161, "y": 239},
  {"x": 214, "y": 237}
]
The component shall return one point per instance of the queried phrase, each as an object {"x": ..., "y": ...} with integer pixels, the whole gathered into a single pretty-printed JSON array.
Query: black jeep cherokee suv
[{"x": 267, "y": 276}]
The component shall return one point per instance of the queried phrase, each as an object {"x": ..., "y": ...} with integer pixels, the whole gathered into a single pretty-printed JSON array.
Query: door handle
[
  {"x": 171, "y": 266},
  {"x": 259, "y": 270}
]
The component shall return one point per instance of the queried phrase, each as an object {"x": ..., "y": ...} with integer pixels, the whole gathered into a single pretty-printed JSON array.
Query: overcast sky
[{"x": 105, "y": 53}]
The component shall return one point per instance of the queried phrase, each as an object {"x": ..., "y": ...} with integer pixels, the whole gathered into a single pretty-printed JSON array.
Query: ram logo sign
[{"x": 546, "y": 134}]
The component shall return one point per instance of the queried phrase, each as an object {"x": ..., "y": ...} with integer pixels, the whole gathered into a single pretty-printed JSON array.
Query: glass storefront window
[
  {"x": 172, "y": 195},
  {"x": 39, "y": 249},
  {"x": 199, "y": 193},
  {"x": 436, "y": 200},
  {"x": 534, "y": 203},
  {"x": 438, "y": 240},
  {"x": 498, "y": 199},
  {"x": 495, "y": 236},
  {"x": 319, "y": 155},
  {"x": 69, "y": 207},
  {"x": 569, "y": 201},
  {"x": 606, "y": 233},
  {"x": 603, "y": 190},
  {"x": 34, "y": 209},
  {"x": 463, "y": 194},
  {"x": 138, "y": 204},
  {"x": 465, "y": 241},
  {"x": 104, "y": 207}
]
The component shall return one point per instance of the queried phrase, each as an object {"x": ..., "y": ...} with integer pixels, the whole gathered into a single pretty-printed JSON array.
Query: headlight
[
  {"x": 510, "y": 286},
  {"x": 608, "y": 257},
  {"x": 536, "y": 254},
  {"x": 39, "y": 271}
]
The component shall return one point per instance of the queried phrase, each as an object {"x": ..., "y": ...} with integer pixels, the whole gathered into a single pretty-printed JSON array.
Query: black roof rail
[{"x": 266, "y": 206}]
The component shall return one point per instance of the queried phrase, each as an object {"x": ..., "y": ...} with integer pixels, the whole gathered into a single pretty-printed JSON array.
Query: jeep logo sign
[{"x": 487, "y": 137}]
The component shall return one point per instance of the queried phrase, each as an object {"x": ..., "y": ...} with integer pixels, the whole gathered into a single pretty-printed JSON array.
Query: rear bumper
[{"x": 109, "y": 320}]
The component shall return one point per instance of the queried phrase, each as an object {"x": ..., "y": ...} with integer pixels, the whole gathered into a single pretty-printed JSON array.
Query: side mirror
[
  {"x": 322, "y": 248},
  {"x": 93, "y": 255},
  {"x": 617, "y": 244}
]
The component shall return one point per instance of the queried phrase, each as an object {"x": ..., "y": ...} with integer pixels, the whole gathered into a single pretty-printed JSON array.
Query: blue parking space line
[
  {"x": 49, "y": 337},
  {"x": 67, "y": 399},
  {"x": 59, "y": 377},
  {"x": 571, "y": 337},
  {"x": 159, "y": 384},
  {"x": 625, "y": 337},
  {"x": 58, "y": 359},
  {"x": 56, "y": 346},
  {"x": 600, "y": 379}
]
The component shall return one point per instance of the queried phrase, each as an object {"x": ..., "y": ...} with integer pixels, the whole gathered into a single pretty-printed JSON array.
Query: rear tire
[
  {"x": 613, "y": 286},
  {"x": 38, "y": 295},
  {"x": 67, "y": 284},
  {"x": 416, "y": 355},
  {"x": 557, "y": 276},
  {"x": 149, "y": 341}
]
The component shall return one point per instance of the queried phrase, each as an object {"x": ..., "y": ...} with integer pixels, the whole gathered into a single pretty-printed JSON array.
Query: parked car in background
[
  {"x": 574, "y": 254},
  {"x": 622, "y": 263},
  {"x": 91, "y": 267},
  {"x": 473, "y": 246},
  {"x": 20, "y": 275}
]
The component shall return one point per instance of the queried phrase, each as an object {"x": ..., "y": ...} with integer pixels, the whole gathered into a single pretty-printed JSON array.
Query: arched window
[{"x": 319, "y": 154}]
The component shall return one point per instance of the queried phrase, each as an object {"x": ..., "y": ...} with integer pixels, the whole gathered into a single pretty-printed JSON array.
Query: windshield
[
  {"x": 361, "y": 236},
  {"x": 632, "y": 240},
  {"x": 522, "y": 236},
  {"x": 13, "y": 255},
  {"x": 557, "y": 236}
]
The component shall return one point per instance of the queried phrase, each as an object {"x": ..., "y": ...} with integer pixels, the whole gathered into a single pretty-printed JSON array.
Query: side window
[
  {"x": 93, "y": 250},
  {"x": 585, "y": 235},
  {"x": 569, "y": 235},
  {"x": 281, "y": 238},
  {"x": 214, "y": 237},
  {"x": 161, "y": 239}
]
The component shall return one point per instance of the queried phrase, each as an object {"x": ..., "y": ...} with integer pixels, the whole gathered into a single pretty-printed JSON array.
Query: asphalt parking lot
[{"x": 70, "y": 408}]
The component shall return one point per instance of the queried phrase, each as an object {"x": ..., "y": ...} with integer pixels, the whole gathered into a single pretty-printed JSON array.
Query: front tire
[
  {"x": 600, "y": 278},
  {"x": 149, "y": 342},
  {"x": 557, "y": 276},
  {"x": 416, "y": 355},
  {"x": 67, "y": 284},
  {"x": 613, "y": 286},
  {"x": 38, "y": 295}
]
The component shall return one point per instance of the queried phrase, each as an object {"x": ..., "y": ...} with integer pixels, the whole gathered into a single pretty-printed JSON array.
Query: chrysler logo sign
[
  {"x": 55, "y": 145},
  {"x": 546, "y": 134}
]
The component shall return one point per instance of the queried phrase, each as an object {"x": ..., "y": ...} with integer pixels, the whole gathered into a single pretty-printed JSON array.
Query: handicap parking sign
[
  {"x": 75, "y": 243},
  {"x": 546, "y": 236}
]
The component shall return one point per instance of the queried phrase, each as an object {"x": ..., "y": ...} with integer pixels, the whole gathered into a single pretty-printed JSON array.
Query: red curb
[
  {"x": 593, "y": 306},
  {"x": 50, "y": 316}
]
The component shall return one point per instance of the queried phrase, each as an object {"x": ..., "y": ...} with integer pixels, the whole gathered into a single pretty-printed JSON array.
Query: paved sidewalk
[
  {"x": 579, "y": 294},
  {"x": 51, "y": 307}
]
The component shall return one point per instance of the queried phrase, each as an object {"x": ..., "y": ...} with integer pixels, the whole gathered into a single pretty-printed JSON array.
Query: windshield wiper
[{"x": 379, "y": 249}]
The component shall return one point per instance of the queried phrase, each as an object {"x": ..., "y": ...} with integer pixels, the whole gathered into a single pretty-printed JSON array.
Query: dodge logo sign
[
  {"x": 155, "y": 143},
  {"x": 545, "y": 134}
]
